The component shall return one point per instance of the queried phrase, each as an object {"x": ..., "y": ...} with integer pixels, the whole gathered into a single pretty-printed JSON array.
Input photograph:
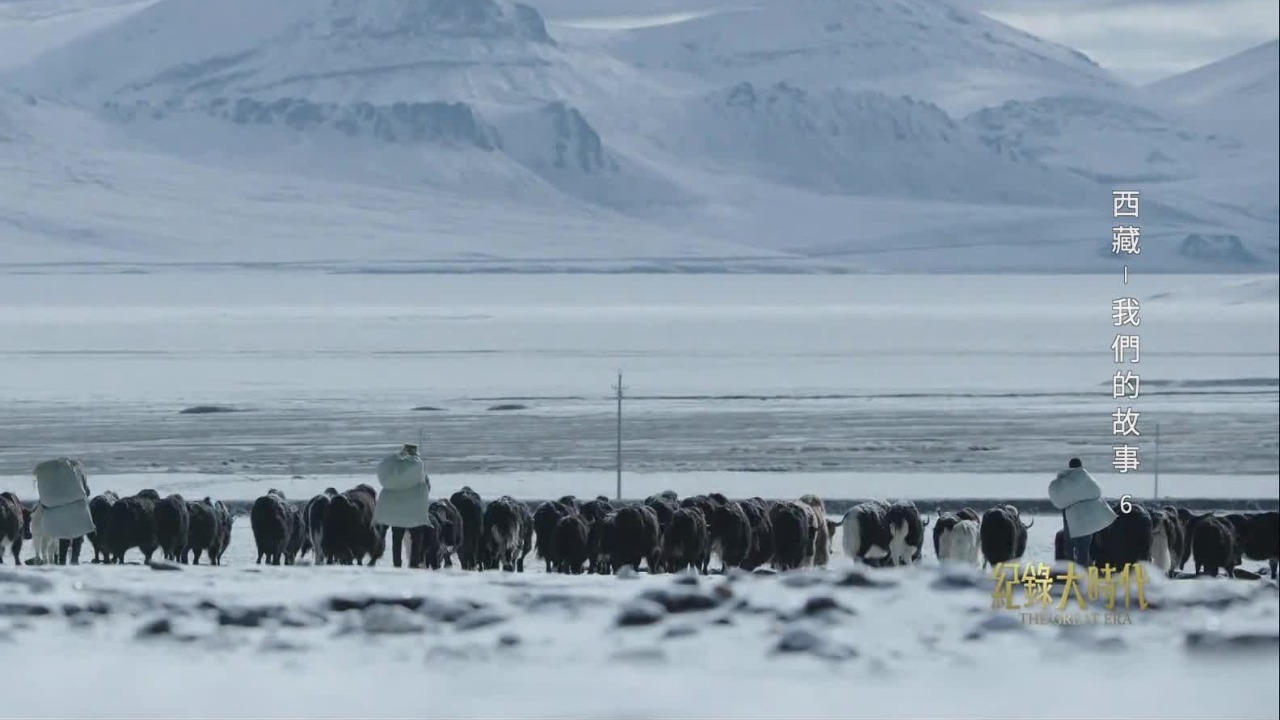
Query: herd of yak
[{"x": 664, "y": 533}]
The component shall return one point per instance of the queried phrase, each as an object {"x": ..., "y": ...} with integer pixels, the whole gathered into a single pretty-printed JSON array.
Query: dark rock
[
  {"x": 153, "y": 628},
  {"x": 680, "y": 600},
  {"x": 509, "y": 640},
  {"x": 93, "y": 607},
  {"x": 640, "y": 612},
  {"x": 859, "y": 577},
  {"x": 824, "y": 603},
  {"x": 764, "y": 571},
  {"x": 342, "y": 604},
  {"x": 798, "y": 640},
  {"x": 207, "y": 410},
  {"x": 164, "y": 565},
  {"x": 478, "y": 618},
  {"x": 1219, "y": 641},
  {"x": 507, "y": 406},
  {"x": 686, "y": 578},
  {"x": 250, "y": 617},
  {"x": 24, "y": 609},
  {"x": 427, "y": 408}
]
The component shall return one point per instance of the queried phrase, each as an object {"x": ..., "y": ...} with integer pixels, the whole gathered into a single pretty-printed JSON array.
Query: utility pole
[
  {"x": 1156, "y": 491},
  {"x": 619, "y": 388}
]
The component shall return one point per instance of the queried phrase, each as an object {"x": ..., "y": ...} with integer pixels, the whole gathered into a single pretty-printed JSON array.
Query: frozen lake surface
[{"x": 722, "y": 373}]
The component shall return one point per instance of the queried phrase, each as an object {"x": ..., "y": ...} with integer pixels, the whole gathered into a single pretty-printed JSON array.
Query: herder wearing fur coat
[
  {"x": 1084, "y": 512},
  {"x": 62, "y": 513},
  {"x": 404, "y": 501}
]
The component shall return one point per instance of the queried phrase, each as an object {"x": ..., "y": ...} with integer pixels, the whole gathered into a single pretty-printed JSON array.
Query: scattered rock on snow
[
  {"x": 678, "y": 600},
  {"x": 33, "y": 583},
  {"x": 803, "y": 640},
  {"x": 391, "y": 620},
  {"x": 344, "y": 603},
  {"x": 801, "y": 578},
  {"x": 679, "y": 631},
  {"x": 444, "y": 610},
  {"x": 640, "y": 612},
  {"x": 798, "y": 640},
  {"x": 952, "y": 576},
  {"x": 155, "y": 628},
  {"x": 24, "y": 609},
  {"x": 993, "y": 623},
  {"x": 686, "y": 578},
  {"x": 478, "y": 618},
  {"x": 640, "y": 655},
  {"x": 860, "y": 577},
  {"x": 824, "y": 603}
]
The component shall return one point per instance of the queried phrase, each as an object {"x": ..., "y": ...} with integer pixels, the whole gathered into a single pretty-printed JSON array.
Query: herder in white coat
[
  {"x": 1084, "y": 512},
  {"x": 404, "y": 501},
  {"x": 62, "y": 512}
]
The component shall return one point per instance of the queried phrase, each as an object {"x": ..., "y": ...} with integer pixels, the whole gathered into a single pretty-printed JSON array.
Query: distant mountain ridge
[{"x": 712, "y": 132}]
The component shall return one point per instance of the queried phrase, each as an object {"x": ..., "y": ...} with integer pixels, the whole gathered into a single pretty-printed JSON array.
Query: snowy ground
[
  {"x": 777, "y": 373},
  {"x": 241, "y": 641},
  {"x": 976, "y": 385}
]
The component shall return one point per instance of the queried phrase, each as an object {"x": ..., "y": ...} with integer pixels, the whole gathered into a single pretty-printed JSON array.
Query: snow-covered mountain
[
  {"x": 933, "y": 51},
  {"x": 864, "y": 143},
  {"x": 1239, "y": 94},
  {"x": 812, "y": 134}
]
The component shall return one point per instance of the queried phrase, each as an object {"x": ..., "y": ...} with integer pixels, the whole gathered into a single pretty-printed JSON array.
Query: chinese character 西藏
[
  {"x": 1126, "y": 240},
  {"x": 1124, "y": 203}
]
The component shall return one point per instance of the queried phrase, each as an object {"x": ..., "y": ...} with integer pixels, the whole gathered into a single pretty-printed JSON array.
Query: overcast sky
[{"x": 1142, "y": 41}]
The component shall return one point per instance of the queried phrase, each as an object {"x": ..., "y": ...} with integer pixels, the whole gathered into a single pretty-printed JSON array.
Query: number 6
[{"x": 1126, "y": 507}]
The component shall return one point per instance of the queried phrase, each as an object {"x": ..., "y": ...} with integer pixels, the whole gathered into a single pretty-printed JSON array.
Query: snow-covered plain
[
  {"x": 722, "y": 373},
  {"x": 257, "y": 641},
  {"x": 774, "y": 135}
]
